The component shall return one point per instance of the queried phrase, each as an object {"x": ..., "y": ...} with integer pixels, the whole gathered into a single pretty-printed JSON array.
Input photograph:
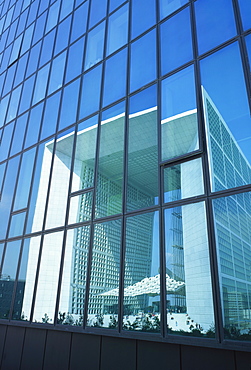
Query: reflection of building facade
[{"x": 230, "y": 168}]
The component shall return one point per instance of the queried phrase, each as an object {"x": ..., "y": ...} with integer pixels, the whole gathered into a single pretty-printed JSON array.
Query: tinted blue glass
[
  {"x": 3, "y": 109},
  {"x": 66, "y": 8},
  {"x": 227, "y": 118},
  {"x": 12, "y": 32},
  {"x": 14, "y": 101},
  {"x": 143, "y": 61},
  {"x": 69, "y": 105},
  {"x": 33, "y": 59},
  {"x": 21, "y": 69},
  {"x": 41, "y": 84},
  {"x": 176, "y": 41},
  {"x": 178, "y": 93},
  {"x": 90, "y": 95},
  {"x": 50, "y": 115},
  {"x": 143, "y": 17},
  {"x": 115, "y": 77},
  {"x": 18, "y": 137},
  {"x": 15, "y": 52},
  {"x": 6, "y": 141},
  {"x": 117, "y": 30},
  {"x": 9, "y": 79},
  {"x": 43, "y": 5},
  {"x": 7, "y": 194},
  {"x": 26, "y": 94},
  {"x": 75, "y": 60},
  {"x": 114, "y": 4},
  {"x": 79, "y": 21},
  {"x": 39, "y": 28},
  {"x": 179, "y": 127},
  {"x": 95, "y": 46},
  {"x": 47, "y": 48},
  {"x": 62, "y": 35},
  {"x": 22, "y": 21},
  {"x": 33, "y": 12},
  {"x": 215, "y": 23},
  {"x": 57, "y": 73},
  {"x": 10, "y": 269},
  {"x": 17, "y": 224},
  {"x": 24, "y": 179},
  {"x": 52, "y": 16},
  {"x": 33, "y": 125},
  {"x": 169, "y": 6},
  {"x": 98, "y": 11},
  {"x": 26, "y": 42},
  {"x": 245, "y": 8}
]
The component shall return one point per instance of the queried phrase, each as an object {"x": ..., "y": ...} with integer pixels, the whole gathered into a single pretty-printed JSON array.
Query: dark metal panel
[
  {"x": 243, "y": 360},
  {"x": 13, "y": 348},
  {"x": 57, "y": 350},
  {"x": 85, "y": 352},
  {"x": 161, "y": 356},
  {"x": 197, "y": 358},
  {"x": 3, "y": 329},
  {"x": 118, "y": 353},
  {"x": 33, "y": 350}
]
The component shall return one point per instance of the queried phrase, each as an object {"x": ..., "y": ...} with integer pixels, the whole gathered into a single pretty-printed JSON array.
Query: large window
[{"x": 125, "y": 173}]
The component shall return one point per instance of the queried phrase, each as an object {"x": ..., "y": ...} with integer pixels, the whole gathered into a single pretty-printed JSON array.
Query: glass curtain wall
[{"x": 125, "y": 174}]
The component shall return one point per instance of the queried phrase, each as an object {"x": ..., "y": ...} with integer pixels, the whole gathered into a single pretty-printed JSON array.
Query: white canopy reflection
[{"x": 149, "y": 285}]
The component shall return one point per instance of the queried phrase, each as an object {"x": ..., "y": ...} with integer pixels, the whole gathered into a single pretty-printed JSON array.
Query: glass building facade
[{"x": 125, "y": 167}]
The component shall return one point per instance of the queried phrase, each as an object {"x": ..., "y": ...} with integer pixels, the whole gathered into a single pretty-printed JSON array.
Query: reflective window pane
[
  {"x": 110, "y": 162},
  {"x": 33, "y": 125},
  {"x": 59, "y": 182},
  {"x": 179, "y": 128},
  {"x": 69, "y": 105},
  {"x": 188, "y": 276},
  {"x": 85, "y": 152},
  {"x": 144, "y": 49},
  {"x": 72, "y": 297},
  {"x": 18, "y": 136},
  {"x": 46, "y": 293},
  {"x": 24, "y": 179},
  {"x": 80, "y": 208},
  {"x": 8, "y": 277},
  {"x": 50, "y": 115},
  {"x": 143, "y": 17},
  {"x": 95, "y": 46},
  {"x": 98, "y": 11},
  {"x": 115, "y": 77},
  {"x": 232, "y": 220},
  {"x": 75, "y": 59},
  {"x": 7, "y": 194},
  {"x": 79, "y": 21},
  {"x": 214, "y": 22},
  {"x": 27, "y": 274},
  {"x": 169, "y": 6},
  {"x": 117, "y": 30},
  {"x": 227, "y": 118},
  {"x": 141, "y": 304},
  {"x": 90, "y": 95},
  {"x": 176, "y": 41},
  {"x": 103, "y": 295},
  {"x": 142, "y": 181},
  {"x": 40, "y": 187},
  {"x": 183, "y": 180},
  {"x": 57, "y": 73},
  {"x": 17, "y": 224},
  {"x": 245, "y": 9}
]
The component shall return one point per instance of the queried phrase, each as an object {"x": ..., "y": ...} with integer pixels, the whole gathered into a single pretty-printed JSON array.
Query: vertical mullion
[
  {"x": 89, "y": 269},
  {"x": 207, "y": 188}
]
